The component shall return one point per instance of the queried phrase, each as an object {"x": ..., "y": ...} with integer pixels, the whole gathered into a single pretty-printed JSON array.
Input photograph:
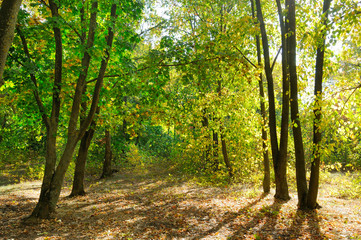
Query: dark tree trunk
[
  {"x": 266, "y": 162},
  {"x": 215, "y": 150},
  {"x": 223, "y": 140},
  {"x": 46, "y": 205},
  {"x": 107, "y": 165},
  {"x": 51, "y": 158},
  {"x": 205, "y": 124},
  {"x": 225, "y": 155},
  {"x": 8, "y": 17},
  {"x": 296, "y": 125},
  {"x": 79, "y": 173},
  {"x": 47, "y": 202},
  {"x": 268, "y": 71},
  {"x": 317, "y": 136},
  {"x": 51, "y": 123},
  {"x": 279, "y": 164}
]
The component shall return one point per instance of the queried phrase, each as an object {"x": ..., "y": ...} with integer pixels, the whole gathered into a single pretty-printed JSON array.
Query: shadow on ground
[{"x": 143, "y": 207}]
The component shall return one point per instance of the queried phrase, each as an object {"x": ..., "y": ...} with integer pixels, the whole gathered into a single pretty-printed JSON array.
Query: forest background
[{"x": 207, "y": 89}]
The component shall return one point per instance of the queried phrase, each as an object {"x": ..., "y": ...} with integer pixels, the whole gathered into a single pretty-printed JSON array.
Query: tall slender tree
[
  {"x": 280, "y": 165},
  {"x": 317, "y": 133},
  {"x": 266, "y": 163},
  {"x": 79, "y": 171},
  {"x": 296, "y": 125}
]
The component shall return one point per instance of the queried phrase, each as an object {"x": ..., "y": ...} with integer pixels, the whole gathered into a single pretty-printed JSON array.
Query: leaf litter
[{"x": 143, "y": 206}]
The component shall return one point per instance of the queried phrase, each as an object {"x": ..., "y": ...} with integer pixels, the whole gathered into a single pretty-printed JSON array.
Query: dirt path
[{"x": 135, "y": 206}]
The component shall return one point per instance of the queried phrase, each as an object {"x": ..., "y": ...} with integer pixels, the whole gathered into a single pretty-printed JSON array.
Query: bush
[{"x": 157, "y": 142}]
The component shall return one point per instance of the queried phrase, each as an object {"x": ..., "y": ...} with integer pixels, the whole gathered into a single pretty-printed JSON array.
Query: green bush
[{"x": 157, "y": 142}]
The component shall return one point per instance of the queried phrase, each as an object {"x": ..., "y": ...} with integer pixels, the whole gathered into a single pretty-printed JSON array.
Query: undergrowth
[
  {"x": 342, "y": 185},
  {"x": 30, "y": 166}
]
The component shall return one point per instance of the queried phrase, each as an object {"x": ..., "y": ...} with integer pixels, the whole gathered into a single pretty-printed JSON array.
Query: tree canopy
[{"x": 220, "y": 90}]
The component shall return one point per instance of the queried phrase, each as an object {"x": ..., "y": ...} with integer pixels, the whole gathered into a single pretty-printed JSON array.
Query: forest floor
[{"x": 156, "y": 205}]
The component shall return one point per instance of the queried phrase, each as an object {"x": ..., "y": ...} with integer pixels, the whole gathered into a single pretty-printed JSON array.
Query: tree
[
  {"x": 281, "y": 163},
  {"x": 266, "y": 163},
  {"x": 212, "y": 78},
  {"x": 79, "y": 171},
  {"x": 8, "y": 18},
  {"x": 317, "y": 134},
  {"x": 51, "y": 188},
  {"x": 279, "y": 157},
  {"x": 54, "y": 175},
  {"x": 296, "y": 124}
]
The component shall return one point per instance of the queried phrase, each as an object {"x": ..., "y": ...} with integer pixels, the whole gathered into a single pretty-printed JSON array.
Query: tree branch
[
  {"x": 274, "y": 61},
  {"x": 81, "y": 82},
  {"x": 99, "y": 83},
  {"x": 151, "y": 28},
  {"x": 34, "y": 81},
  {"x": 159, "y": 65},
  {"x": 58, "y": 67},
  {"x": 250, "y": 62}
]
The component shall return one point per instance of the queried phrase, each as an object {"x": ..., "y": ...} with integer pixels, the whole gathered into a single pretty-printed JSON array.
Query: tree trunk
[
  {"x": 269, "y": 77},
  {"x": 225, "y": 155},
  {"x": 266, "y": 163},
  {"x": 48, "y": 176},
  {"x": 296, "y": 125},
  {"x": 8, "y": 17},
  {"x": 46, "y": 205},
  {"x": 317, "y": 135},
  {"x": 215, "y": 150},
  {"x": 205, "y": 125},
  {"x": 107, "y": 166},
  {"x": 79, "y": 173},
  {"x": 279, "y": 163},
  {"x": 223, "y": 140},
  {"x": 50, "y": 157},
  {"x": 52, "y": 123}
]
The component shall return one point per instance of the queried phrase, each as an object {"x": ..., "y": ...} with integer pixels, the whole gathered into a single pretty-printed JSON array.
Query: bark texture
[
  {"x": 280, "y": 165},
  {"x": 45, "y": 205},
  {"x": 79, "y": 172},
  {"x": 296, "y": 125},
  {"x": 8, "y": 17},
  {"x": 223, "y": 139},
  {"x": 270, "y": 87}
]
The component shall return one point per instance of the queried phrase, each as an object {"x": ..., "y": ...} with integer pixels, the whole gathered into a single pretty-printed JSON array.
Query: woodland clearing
[{"x": 151, "y": 204}]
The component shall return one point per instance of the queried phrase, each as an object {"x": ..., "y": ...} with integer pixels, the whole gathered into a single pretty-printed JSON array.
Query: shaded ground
[{"x": 146, "y": 206}]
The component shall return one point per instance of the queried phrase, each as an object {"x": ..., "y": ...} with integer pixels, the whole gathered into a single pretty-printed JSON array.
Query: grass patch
[{"x": 343, "y": 185}]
